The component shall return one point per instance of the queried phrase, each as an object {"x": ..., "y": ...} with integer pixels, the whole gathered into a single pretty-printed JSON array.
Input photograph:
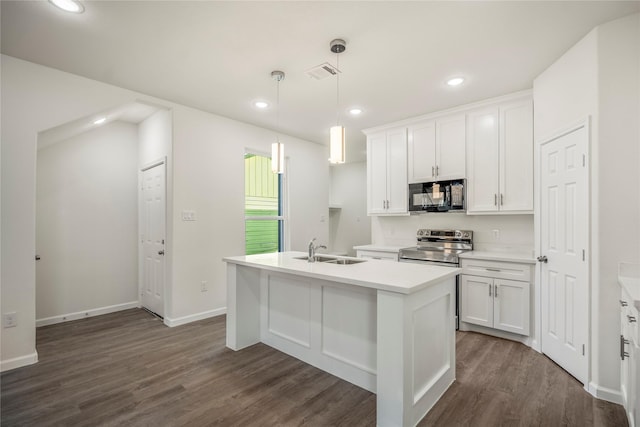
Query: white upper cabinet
[
  {"x": 436, "y": 149},
  {"x": 387, "y": 173},
  {"x": 500, "y": 158}
]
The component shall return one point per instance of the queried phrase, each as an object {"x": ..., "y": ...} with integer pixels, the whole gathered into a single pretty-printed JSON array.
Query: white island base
[{"x": 397, "y": 341}]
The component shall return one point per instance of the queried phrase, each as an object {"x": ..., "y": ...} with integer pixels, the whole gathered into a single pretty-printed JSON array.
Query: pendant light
[
  {"x": 337, "y": 139},
  {"x": 277, "y": 148}
]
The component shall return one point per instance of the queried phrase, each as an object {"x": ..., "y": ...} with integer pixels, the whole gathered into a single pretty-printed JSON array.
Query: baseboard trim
[
  {"x": 605, "y": 393},
  {"x": 86, "y": 313},
  {"x": 526, "y": 340},
  {"x": 194, "y": 317},
  {"x": 19, "y": 362}
]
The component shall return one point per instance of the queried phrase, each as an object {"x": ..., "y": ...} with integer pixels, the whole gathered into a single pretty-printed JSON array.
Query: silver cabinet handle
[
  {"x": 501, "y": 200},
  {"x": 623, "y": 303},
  {"x": 495, "y": 200},
  {"x": 437, "y": 170},
  {"x": 623, "y": 342},
  {"x": 37, "y": 257},
  {"x": 161, "y": 252},
  {"x": 492, "y": 269},
  {"x": 433, "y": 171},
  {"x": 542, "y": 258},
  {"x": 631, "y": 319},
  {"x": 490, "y": 286},
  {"x": 495, "y": 293}
]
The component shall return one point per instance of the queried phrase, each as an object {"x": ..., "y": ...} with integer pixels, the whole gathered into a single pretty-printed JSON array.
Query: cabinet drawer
[
  {"x": 497, "y": 269},
  {"x": 387, "y": 256}
]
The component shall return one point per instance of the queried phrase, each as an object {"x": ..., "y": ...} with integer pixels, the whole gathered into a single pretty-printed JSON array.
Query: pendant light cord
[
  {"x": 278, "y": 110},
  {"x": 338, "y": 89}
]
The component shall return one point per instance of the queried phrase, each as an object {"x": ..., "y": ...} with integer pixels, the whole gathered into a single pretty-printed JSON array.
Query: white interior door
[
  {"x": 152, "y": 225},
  {"x": 564, "y": 239}
]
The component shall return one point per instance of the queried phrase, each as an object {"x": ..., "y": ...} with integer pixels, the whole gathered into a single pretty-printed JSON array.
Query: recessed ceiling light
[
  {"x": 100, "y": 121},
  {"x": 456, "y": 81},
  {"x": 261, "y": 104},
  {"x": 355, "y": 111},
  {"x": 68, "y": 5}
]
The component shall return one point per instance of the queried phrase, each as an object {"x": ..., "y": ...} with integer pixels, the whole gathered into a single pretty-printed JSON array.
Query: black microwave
[{"x": 440, "y": 196}]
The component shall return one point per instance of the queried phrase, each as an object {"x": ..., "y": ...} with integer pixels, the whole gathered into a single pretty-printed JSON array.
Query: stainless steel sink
[
  {"x": 344, "y": 261},
  {"x": 333, "y": 260},
  {"x": 319, "y": 258}
]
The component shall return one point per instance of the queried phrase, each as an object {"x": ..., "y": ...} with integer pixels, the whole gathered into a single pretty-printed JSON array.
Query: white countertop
[
  {"x": 379, "y": 248},
  {"x": 404, "y": 278},
  {"x": 629, "y": 279},
  {"x": 499, "y": 256}
]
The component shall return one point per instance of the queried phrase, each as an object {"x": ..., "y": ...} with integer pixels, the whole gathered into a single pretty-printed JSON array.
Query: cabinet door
[
  {"x": 422, "y": 152},
  {"x": 476, "y": 294},
  {"x": 397, "y": 187},
  {"x": 511, "y": 306},
  {"x": 516, "y": 157},
  {"x": 377, "y": 173},
  {"x": 482, "y": 161},
  {"x": 450, "y": 148}
]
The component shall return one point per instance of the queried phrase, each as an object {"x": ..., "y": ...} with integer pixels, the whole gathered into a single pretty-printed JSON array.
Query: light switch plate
[{"x": 188, "y": 215}]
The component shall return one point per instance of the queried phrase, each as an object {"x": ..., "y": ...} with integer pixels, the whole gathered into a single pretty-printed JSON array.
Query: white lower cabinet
[
  {"x": 629, "y": 354},
  {"x": 491, "y": 300}
]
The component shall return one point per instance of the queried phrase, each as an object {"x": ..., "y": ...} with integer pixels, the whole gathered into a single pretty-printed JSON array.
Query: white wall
[
  {"x": 209, "y": 155},
  {"x": 617, "y": 151},
  {"x": 598, "y": 77},
  {"x": 207, "y": 163},
  {"x": 515, "y": 232},
  {"x": 33, "y": 99},
  {"x": 86, "y": 222},
  {"x": 349, "y": 225}
]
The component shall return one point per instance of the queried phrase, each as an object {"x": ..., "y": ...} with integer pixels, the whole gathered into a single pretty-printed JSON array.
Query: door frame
[
  {"x": 168, "y": 257},
  {"x": 540, "y": 143}
]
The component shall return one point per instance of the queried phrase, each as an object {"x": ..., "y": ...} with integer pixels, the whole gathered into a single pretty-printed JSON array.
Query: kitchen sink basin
[
  {"x": 344, "y": 261},
  {"x": 319, "y": 258},
  {"x": 333, "y": 260}
]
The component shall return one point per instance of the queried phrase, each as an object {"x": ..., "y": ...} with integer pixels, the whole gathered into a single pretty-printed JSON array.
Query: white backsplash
[{"x": 514, "y": 232}]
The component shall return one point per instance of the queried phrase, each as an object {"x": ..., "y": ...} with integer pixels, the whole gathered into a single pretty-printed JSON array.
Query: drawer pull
[
  {"x": 493, "y": 269},
  {"x": 623, "y": 303},
  {"x": 631, "y": 319}
]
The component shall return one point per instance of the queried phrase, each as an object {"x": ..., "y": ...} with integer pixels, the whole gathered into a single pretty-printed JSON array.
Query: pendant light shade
[
  {"x": 277, "y": 148},
  {"x": 337, "y": 145},
  {"x": 337, "y": 140},
  {"x": 277, "y": 157}
]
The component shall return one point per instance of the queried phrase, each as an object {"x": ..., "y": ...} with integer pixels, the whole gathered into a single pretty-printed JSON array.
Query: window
[{"x": 264, "y": 218}]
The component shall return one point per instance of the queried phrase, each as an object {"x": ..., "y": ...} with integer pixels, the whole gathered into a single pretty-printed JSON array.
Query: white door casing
[
  {"x": 152, "y": 236},
  {"x": 564, "y": 241}
]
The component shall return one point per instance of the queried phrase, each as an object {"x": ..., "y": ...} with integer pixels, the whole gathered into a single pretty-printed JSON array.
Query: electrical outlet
[
  {"x": 203, "y": 286},
  {"x": 10, "y": 320},
  {"x": 496, "y": 235}
]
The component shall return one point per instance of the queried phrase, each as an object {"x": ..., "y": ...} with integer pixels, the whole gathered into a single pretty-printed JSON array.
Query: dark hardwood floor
[{"x": 127, "y": 368}]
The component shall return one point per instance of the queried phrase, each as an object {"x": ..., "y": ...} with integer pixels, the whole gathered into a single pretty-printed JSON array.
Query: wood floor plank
[{"x": 127, "y": 368}]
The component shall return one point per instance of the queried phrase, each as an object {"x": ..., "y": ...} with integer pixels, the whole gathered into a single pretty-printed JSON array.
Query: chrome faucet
[{"x": 312, "y": 250}]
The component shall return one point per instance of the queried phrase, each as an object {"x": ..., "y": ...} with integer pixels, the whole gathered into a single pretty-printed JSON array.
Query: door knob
[
  {"x": 161, "y": 252},
  {"x": 542, "y": 258}
]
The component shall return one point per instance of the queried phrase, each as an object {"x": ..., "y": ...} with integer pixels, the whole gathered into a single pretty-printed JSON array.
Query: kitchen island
[{"x": 386, "y": 327}]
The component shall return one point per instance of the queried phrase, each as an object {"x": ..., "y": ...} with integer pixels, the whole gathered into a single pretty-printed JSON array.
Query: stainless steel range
[{"x": 440, "y": 247}]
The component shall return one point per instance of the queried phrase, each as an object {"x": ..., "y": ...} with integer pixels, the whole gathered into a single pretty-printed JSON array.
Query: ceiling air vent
[{"x": 322, "y": 71}]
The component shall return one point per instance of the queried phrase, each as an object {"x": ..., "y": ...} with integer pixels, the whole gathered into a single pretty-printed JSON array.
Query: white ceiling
[{"x": 218, "y": 56}]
